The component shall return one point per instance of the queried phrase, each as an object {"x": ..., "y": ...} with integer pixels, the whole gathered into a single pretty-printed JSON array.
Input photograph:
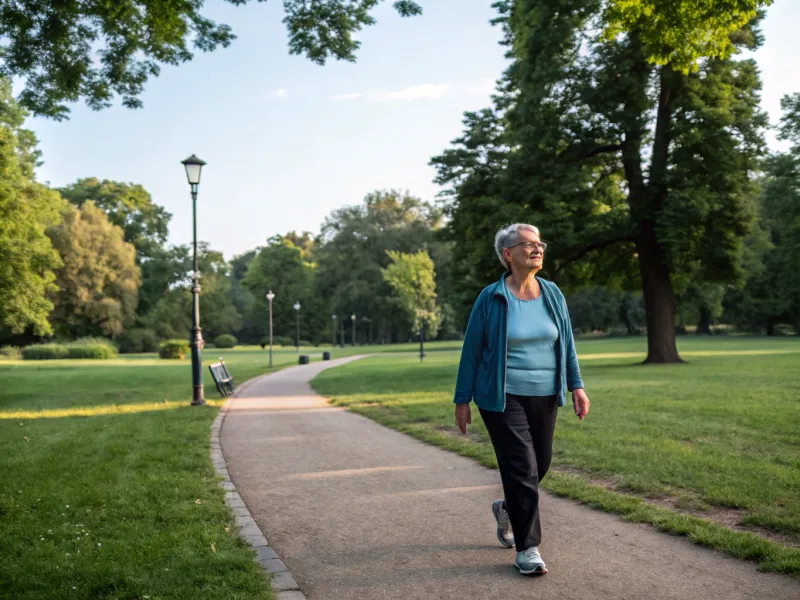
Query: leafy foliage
[
  {"x": 411, "y": 277},
  {"x": 27, "y": 258},
  {"x": 99, "y": 280},
  {"x": 176, "y": 349},
  {"x": 128, "y": 206},
  {"x": 636, "y": 173},
  {"x": 226, "y": 340},
  {"x": 66, "y": 51}
]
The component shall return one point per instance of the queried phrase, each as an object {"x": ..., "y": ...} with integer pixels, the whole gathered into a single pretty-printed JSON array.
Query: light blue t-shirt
[{"x": 532, "y": 336}]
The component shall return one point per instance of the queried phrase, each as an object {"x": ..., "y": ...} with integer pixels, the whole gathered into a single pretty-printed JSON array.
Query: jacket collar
[{"x": 497, "y": 288}]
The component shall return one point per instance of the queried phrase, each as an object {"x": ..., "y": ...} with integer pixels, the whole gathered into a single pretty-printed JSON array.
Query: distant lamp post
[
  {"x": 270, "y": 297},
  {"x": 353, "y": 319},
  {"x": 333, "y": 331},
  {"x": 193, "y": 166},
  {"x": 421, "y": 340},
  {"x": 297, "y": 308},
  {"x": 369, "y": 337}
]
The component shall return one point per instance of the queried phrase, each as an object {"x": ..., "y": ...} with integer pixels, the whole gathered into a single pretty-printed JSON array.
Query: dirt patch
[{"x": 689, "y": 503}]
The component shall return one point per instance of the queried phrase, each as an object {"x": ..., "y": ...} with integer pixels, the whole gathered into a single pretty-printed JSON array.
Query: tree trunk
[
  {"x": 770, "y": 326},
  {"x": 704, "y": 324},
  {"x": 659, "y": 299}
]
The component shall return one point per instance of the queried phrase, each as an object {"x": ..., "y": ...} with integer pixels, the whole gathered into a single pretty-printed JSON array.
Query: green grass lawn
[
  {"x": 720, "y": 434},
  {"x": 107, "y": 490}
]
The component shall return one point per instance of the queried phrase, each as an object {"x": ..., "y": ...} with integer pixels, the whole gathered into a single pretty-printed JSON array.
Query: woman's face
[{"x": 527, "y": 254}]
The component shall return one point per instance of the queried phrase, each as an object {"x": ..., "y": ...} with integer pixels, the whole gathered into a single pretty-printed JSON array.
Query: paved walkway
[{"x": 358, "y": 511}]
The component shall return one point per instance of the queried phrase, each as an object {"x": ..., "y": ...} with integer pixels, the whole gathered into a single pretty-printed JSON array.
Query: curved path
[{"x": 358, "y": 511}]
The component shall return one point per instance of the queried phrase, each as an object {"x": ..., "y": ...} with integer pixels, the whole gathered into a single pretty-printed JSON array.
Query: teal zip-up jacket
[{"x": 482, "y": 369}]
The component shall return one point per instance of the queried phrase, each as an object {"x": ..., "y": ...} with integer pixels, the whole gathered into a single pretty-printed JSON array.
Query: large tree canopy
[
  {"x": 95, "y": 49},
  {"x": 98, "y": 284},
  {"x": 128, "y": 206},
  {"x": 27, "y": 258},
  {"x": 640, "y": 167}
]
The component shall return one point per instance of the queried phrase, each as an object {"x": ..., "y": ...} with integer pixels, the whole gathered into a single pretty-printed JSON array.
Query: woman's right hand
[{"x": 463, "y": 417}]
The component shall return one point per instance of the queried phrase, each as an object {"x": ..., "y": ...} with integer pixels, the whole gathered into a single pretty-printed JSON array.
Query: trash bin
[
  {"x": 303, "y": 359},
  {"x": 326, "y": 356}
]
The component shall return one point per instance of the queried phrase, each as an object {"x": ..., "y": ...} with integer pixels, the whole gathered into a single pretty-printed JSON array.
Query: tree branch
[
  {"x": 581, "y": 251},
  {"x": 577, "y": 152}
]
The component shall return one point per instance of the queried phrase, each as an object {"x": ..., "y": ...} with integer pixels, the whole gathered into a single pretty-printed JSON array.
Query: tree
[
  {"x": 771, "y": 294},
  {"x": 619, "y": 160},
  {"x": 167, "y": 292},
  {"x": 351, "y": 256},
  {"x": 411, "y": 277},
  {"x": 93, "y": 50},
  {"x": 128, "y": 206},
  {"x": 282, "y": 267},
  {"x": 27, "y": 258},
  {"x": 98, "y": 283}
]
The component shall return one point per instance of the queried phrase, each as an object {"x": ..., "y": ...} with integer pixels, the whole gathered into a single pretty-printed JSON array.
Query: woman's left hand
[{"x": 581, "y": 402}]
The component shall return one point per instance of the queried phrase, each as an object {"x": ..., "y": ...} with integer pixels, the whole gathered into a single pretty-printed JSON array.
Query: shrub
[
  {"x": 10, "y": 353},
  {"x": 208, "y": 345},
  {"x": 226, "y": 340},
  {"x": 96, "y": 348},
  {"x": 305, "y": 343},
  {"x": 174, "y": 349},
  {"x": 138, "y": 340},
  {"x": 45, "y": 352},
  {"x": 281, "y": 340}
]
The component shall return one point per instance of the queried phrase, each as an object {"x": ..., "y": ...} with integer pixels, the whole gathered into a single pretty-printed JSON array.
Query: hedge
[
  {"x": 92, "y": 348},
  {"x": 137, "y": 340},
  {"x": 226, "y": 340},
  {"x": 10, "y": 353},
  {"x": 174, "y": 349}
]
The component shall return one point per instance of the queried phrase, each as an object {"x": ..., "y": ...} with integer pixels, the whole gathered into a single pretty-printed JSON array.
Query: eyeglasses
[{"x": 530, "y": 246}]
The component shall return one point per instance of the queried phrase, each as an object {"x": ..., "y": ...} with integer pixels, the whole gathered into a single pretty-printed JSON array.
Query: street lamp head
[
  {"x": 353, "y": 317},
  {"x": 270, "y": 296},
  {"x": 193, "y": 167},
  {"x": 333, "y": 317},
  {"x": 297, "y": 305}
]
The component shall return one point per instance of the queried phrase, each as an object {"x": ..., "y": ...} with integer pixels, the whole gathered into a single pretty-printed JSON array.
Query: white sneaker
[
  {"x": 504, "y": 532},
  {"x": 529, "y": 562}
]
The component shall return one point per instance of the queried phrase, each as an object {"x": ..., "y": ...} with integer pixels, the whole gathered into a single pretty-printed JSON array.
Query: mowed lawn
[
  {"x": 720, "y": 432},
  {"x": 106, "y": 488}
]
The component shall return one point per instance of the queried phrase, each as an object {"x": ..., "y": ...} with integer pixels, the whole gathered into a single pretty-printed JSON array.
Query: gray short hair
[{"x": 508, "y": 236}]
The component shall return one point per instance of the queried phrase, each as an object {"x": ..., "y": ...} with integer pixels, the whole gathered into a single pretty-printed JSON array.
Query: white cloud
[
  {"x": 279, "y": 93},
  {"x": 350, "y": 96},
  {"x": 425, "y": 91}
]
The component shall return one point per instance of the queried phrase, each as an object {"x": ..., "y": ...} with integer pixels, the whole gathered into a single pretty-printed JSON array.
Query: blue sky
[{"x": 288, "y": 141}]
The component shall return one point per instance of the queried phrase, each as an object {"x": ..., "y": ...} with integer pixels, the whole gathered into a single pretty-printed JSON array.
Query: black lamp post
[
  {"x": 353, "y": 319},
  {"x": 193, "y": 166},
  {"x": 270, "y": 297},
  {"x": 369, "y": 336},
  {"x": 333, "y": 331},
  {"x": 297, "y": 308}
]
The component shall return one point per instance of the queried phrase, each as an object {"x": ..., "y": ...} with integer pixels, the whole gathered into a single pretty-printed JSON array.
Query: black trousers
[{"x": 522, "y": 437}]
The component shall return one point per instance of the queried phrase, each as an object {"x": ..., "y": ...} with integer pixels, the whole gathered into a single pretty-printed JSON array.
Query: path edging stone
[{"x": 283, "y": 583}]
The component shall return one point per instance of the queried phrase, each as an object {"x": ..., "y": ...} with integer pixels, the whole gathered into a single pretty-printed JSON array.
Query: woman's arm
[
  {"x": 471, "y": 352},
  {"x": 574, "y": 380}
]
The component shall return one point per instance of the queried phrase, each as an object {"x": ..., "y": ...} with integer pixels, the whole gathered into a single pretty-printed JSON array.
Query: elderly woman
[{"x": 517, "y": 363}]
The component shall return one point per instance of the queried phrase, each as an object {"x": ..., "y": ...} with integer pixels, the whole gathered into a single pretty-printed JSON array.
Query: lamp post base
[{"x": 198, "y": 398}]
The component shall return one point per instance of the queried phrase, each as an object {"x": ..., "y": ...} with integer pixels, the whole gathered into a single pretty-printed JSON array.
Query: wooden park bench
[{"x": 222, "y": 378}]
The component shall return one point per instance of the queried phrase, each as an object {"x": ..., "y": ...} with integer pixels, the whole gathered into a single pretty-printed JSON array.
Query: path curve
[{"x": 359, "y": 511}]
